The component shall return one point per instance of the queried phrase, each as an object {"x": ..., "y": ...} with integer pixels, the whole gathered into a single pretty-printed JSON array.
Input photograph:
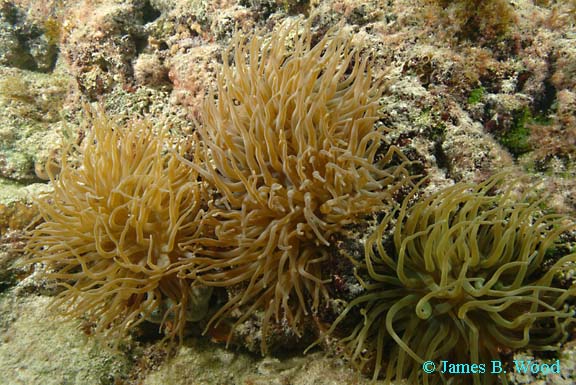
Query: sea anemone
[
  {"x": 290, "y": 149},
  {"x": 464, "y": 276},
  {"x": 113, "y": 229}
]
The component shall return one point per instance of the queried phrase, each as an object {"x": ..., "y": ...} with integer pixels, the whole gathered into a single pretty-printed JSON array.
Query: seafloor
[{"x": 471, "y": 88}]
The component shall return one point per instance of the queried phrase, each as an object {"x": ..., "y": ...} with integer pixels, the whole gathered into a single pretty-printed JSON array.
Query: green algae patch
[
  {"x": 476, "y": 95},
  {"x": 517, "y": 138}
]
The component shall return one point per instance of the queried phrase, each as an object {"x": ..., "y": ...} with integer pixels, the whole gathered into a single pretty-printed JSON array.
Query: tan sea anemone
[
  {"x": 464, "y": 275},
  {"x": 291, "y": 150},
  {"x": 113, "y": 226}
]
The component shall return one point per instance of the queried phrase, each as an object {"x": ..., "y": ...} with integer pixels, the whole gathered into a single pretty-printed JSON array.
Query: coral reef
[{"x": 462, "y": 275}]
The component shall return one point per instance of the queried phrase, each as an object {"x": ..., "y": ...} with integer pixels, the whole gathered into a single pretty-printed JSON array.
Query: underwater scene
[{"x": 290, "y": 192}]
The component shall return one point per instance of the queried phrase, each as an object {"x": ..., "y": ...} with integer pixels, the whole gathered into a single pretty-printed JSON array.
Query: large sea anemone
[
  {"x": 289, "y": 146},
  {"x": 112, "y": 229},
  {"x": 462, "y": 275}
]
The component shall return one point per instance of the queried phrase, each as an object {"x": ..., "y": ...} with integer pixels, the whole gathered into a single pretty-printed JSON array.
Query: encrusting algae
[{"x": 290, "y": 151}]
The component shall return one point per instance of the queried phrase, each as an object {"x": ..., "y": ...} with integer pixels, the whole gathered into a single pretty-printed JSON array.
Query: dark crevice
[
  {"x": 149, "y": 13},
  {"x": 544, "y": 101},
  {"x": 442, "y": 159}
]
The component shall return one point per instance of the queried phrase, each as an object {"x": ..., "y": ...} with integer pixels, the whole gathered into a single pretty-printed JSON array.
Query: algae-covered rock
[
  {"x": 209, "y": 364},
  {"x": 27, "y": 42},
  {"x": 37, "y": 349},
  {"x": 31, "y": 107}
]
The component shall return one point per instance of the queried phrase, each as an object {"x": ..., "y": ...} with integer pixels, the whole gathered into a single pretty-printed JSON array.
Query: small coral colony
[{"x": 144, "y": 227}]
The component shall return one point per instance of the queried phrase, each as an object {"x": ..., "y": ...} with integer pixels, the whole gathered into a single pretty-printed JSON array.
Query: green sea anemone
[
  {"x": 462, "y": 276},
  {"x": 289, "y": 145},
  {"x": 113, "y": 229}
]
